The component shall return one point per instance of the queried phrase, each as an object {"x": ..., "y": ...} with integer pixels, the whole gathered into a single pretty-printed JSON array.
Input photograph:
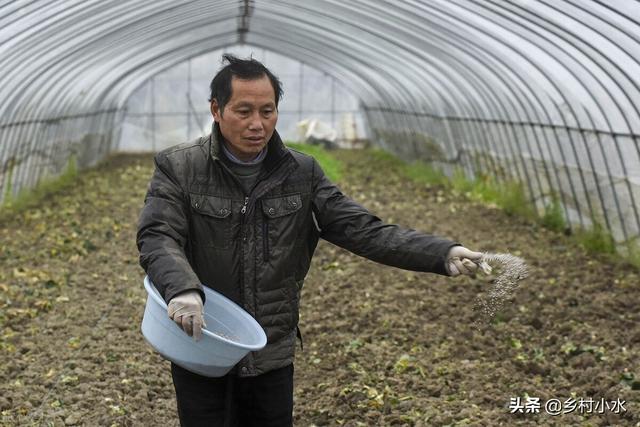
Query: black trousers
[{"x": 265, "y": 400}]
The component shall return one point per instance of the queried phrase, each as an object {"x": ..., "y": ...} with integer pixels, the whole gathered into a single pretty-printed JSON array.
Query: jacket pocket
[
  {"x": 280, "y": 226},
  {"x": 212, "y": 221}
]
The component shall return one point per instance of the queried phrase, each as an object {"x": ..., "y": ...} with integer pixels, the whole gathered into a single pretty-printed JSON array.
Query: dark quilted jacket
[{"x": 198, "y": 228}]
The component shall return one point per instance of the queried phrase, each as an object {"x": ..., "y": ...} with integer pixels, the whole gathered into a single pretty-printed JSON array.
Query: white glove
[
  {"x": 461, "y": 260},
  {"x": 186, "y": 310}
]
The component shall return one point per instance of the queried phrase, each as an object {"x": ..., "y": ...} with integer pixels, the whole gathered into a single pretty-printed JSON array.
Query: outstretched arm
[{"x": 349, "y": 225}]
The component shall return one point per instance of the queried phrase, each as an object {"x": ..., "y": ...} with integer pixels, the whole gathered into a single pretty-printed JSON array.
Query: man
[{"x": 239, "y": 212}]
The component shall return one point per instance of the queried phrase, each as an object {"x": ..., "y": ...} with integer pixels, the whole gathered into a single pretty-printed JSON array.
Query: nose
[{"x": 256, "y": 122}]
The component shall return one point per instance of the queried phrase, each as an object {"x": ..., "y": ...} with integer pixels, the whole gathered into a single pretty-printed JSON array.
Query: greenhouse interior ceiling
[{"x": 540, "y": 92}]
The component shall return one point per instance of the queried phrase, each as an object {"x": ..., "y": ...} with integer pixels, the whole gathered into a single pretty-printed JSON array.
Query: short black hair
[{"x": 245, "y": 69}]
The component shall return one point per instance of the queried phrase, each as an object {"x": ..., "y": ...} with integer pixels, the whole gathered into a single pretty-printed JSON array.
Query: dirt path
[{"x": 382, "y": 346}]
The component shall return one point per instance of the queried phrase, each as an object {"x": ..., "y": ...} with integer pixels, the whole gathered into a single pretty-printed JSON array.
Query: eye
[{"x": 267, "y": 112}]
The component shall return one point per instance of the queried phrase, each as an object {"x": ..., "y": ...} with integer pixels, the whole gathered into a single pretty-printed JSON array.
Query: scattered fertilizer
[{"x": 512, "y": 270}]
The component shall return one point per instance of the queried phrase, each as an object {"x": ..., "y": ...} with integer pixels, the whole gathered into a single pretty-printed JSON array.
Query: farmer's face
[{"x": 249, "y": 118}]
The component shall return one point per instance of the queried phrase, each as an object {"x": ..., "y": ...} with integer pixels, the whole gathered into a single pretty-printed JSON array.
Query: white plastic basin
[{"x": 230, "y": 334}]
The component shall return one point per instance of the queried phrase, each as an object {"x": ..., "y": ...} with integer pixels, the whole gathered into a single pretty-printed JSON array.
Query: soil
[{"x": 382, "y": 346}]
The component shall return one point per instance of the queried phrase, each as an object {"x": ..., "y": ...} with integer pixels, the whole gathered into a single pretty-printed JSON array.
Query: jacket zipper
[
  {"x": 244, "y": 207},
  {"x": 243, "y": 211},
  {"x": 243, "y": 232}
]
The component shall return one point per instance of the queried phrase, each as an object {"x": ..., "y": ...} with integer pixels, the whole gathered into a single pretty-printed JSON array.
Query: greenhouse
[{"x": 509, "y": 126}]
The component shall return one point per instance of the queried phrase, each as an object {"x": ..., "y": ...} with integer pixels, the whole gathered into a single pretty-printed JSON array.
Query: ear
[{"x": 215, "y": 111}]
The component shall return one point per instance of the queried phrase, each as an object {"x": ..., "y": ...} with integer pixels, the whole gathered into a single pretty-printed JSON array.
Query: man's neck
[{"x": 235, "y": 159}]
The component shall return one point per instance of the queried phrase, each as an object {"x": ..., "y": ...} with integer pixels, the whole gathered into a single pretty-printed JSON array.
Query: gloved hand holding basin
[{"x": 230, "y": 334}]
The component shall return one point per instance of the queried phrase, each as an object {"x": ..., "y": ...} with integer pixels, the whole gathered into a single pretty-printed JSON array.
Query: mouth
[{"x": 255, "y": 139}]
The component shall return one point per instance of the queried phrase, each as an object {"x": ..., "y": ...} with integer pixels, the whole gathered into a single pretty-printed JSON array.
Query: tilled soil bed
[{"x": 382, "y": 346}]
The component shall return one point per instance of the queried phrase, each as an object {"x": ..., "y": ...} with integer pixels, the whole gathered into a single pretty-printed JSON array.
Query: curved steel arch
[
  {"x": 592, "y": 168},
  {"x": 544, "y": 41},
  {"x": 68, "y": 68}
]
